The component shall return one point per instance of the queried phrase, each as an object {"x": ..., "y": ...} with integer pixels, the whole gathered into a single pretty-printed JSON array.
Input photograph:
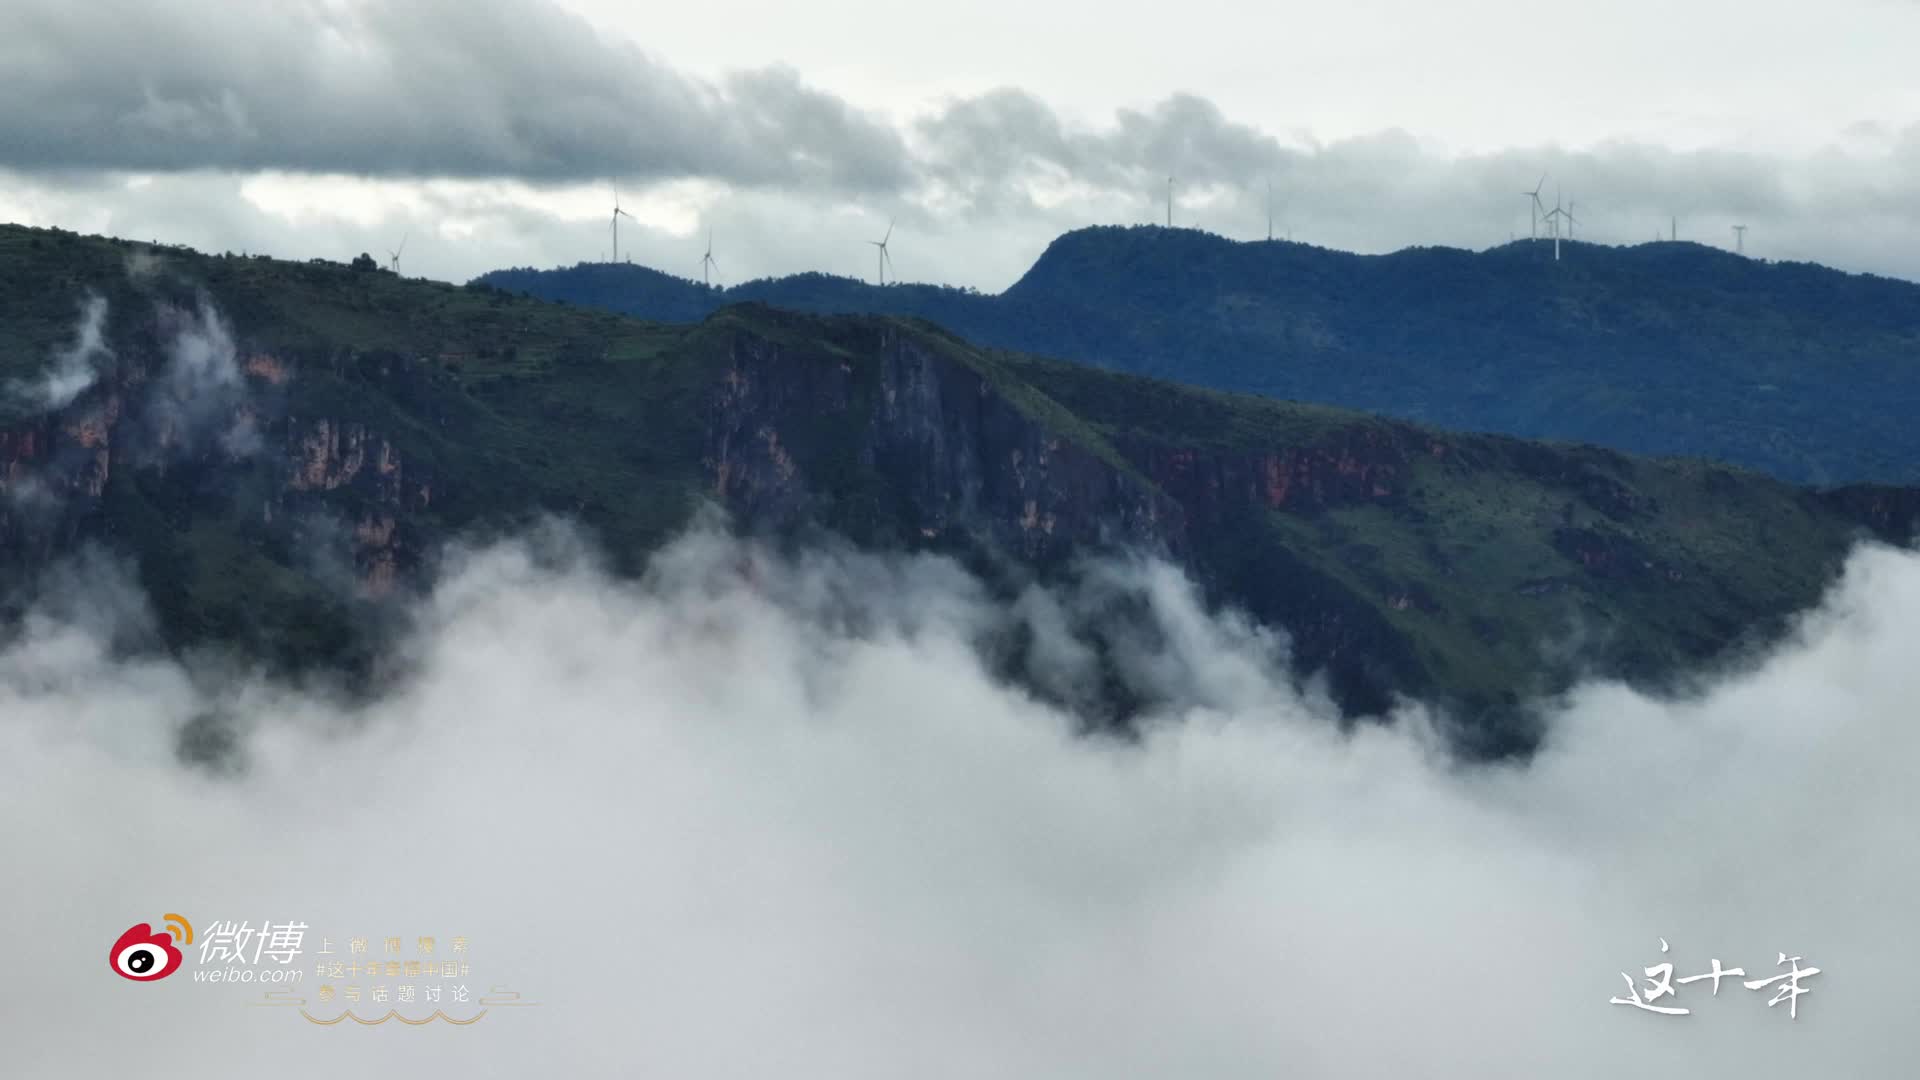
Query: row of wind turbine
[
  {"x": 1556, "y": 220},
  {"x": 1269, "y": 210},
  {"x": 707, "y": 262},
  {"x": 1552, "y": 219}
]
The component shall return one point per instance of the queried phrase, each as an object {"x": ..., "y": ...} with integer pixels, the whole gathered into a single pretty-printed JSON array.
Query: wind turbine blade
[{"x": 889, "y": 235}]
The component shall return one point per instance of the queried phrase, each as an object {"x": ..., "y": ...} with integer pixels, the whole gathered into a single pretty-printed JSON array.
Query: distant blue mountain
[{"x": 1794, "y": 369}]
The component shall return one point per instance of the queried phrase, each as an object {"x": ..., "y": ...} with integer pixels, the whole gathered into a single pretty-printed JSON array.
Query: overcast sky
[{"x": 492, "y": 132}]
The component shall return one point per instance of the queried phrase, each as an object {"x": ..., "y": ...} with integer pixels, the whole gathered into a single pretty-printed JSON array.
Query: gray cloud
[
  {"x": 436, "y": 88},
  {"x": 518, "y": 89},
  {"x": 763, "y": 814},
  {"x": 1007, "y": 137}
]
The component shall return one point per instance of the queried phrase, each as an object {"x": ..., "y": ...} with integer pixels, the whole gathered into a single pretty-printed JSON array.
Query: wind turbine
[
  {"x": 1169, "y": 202},
  {"x": 706, "y": 261},
  {"x": 1269, "y": 211},
  {"x": 881, "y": 258},
  {"x": 1553, "y": 219},
  {"x": 1739, "y": 239},
  {"x": 1536, "y": 207},
  {"x": 393, "y": 264},
  {"x": 617, "y": 215}
]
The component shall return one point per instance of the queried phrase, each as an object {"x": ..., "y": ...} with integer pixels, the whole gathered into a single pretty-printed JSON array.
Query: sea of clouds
[{"x": 771, "y": 815}]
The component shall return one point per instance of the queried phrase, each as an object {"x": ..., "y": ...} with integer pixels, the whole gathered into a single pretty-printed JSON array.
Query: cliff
[
  {"x": 282, "y": 448},
  {"x": 794, "y": 434}
]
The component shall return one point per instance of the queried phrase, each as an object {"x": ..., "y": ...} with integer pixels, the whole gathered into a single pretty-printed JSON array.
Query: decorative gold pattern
[{"x": 392, "y": 1014}]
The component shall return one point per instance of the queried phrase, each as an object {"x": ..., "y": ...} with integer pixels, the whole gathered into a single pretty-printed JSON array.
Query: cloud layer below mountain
[{"x": 762, "y": 815}]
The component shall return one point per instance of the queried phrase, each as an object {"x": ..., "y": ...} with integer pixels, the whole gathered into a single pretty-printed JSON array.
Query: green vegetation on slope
[
  {"x": 1503, "y": 565},
  {"x": 1476, "y": 569}
]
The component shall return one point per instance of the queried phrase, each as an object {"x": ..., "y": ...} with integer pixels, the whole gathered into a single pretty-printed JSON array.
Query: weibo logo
[{"x": 144, "y": 956}]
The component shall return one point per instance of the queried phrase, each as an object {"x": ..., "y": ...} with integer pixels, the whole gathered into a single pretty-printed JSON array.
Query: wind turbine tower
[
  {"x": 881, "y": 258},
  {"x": 707, "y": 263},
  {"x": 1169, "y": 202},
  {"x": 1269, "y": 211},
  {"x": 1535, "y": 208},
  {"x": 1676, "y": 227},
  {"x": 1739, "y": 239},
  {"x": 617, "y": 215},
  {"x": 1552, "y": 218}
]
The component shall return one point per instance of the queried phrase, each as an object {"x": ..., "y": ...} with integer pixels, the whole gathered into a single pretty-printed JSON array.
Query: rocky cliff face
[
  {"x": 55, "y": 468},
  {"x": 1363, "y": 465},
  {"x": 891, "y": 432},
  {"x": 794, "y": 433},
  {"x": 53, "y": 471},
  {"x": 1224, "y": 494},
  {"x": 325, "y": 455},
  {"x": 1351, "y": 533}
]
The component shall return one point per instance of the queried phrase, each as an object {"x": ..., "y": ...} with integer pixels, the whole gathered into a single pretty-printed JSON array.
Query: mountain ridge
[
  {"x": 1663, "y": 349},
  {"x": 384, "y": 418}
]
